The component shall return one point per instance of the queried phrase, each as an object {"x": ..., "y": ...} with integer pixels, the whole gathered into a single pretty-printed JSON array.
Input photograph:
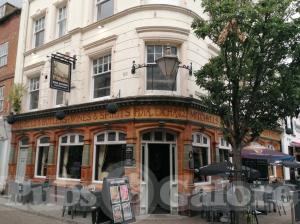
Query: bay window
[
  {"x": 155, "y": 79},
  {"x": 70, "y": 156},
  {"x": 101, "y": 76},
  {"x": 109, "y": 154},
  {"x": 42, "y": 157},
  {"x": 201, "y": 154}
]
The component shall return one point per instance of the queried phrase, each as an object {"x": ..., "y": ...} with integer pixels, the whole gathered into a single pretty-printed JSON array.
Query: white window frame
[
  {"x": 204, "y": 145},
  {"x": 62, "y": 20},
  {"x": 3, "y": 54},
  {"x": 55, "y": 98},
  {"x": 39, "y": 144},
  {"x": 2, "y": 98},
  {"x": 39, "y": 29},
  {"x": 155, "y": 91},
  {"x": 75, "y": 143},
  {"x": 224, "y": 145},
  {"x": 35, "y": 88},
  {"x": 2, "y": 11},
  {"x": 94, "y": 75},
  {"x": 105, "y": 142},
  {"x": 97, "y": 4}
]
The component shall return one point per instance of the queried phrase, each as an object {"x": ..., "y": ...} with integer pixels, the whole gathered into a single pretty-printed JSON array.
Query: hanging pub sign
[
  {"x": 61, "y": 69},
  {"x": 116, "y": 193}
]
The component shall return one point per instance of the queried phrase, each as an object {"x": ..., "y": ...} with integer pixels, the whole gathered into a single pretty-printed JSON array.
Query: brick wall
[{"x": 9, "y": 32}]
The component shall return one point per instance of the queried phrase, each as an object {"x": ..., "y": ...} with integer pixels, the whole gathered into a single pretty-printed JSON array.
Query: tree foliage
[{"x": 255, "y": 80}]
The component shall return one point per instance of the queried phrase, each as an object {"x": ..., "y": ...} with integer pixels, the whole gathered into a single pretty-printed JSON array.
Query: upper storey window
[
  {"x": 39, "y": 31},
  {"x": 3, "y": 54},
  {"x": 105, "y": 8},
  {"x": 62, "y": 21},
  {"x": 34, "y": 93},
  {"x": 155, "y": 79},
  {"x": 101, "y": 76}
]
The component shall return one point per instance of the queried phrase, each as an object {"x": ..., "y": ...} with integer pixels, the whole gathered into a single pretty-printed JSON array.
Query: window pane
[
  {"x": 122, "y": 136},
  {"x": 109, "y": 161},
  {"x": 200, "y": 160},
  {"x": 112, "y": 136},
  {"x": 44, "y": 140},
  {"x": 102, "y": 85},
  {"x": 34, "y": 100},
  {"x": 147, "y": 136},
  {"x": 158, "y": 136},
  {"x": 100, "y": 138},
  {"x": 59, "y": 97},
  {"x": 70, "y": 162},
  {"x": 64, "y": 139},
  {"x": 105, "y": 9},
  {"x": 81, "y": 138},
  {"x": 24, "y": 141},
  {"x": 72, "y": 139},
  {"x": 42, "y": 161},
  {"x": 170, "y": 137}
]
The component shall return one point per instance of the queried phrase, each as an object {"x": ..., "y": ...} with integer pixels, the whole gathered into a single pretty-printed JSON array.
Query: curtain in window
[
  {"x": 44, "y": 161},
  {"x": 65, "y": 162},
  {"x": 102, "y": 155}
]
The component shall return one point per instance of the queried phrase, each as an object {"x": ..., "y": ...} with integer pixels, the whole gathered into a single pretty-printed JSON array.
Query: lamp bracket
[
  {"x": 137, "y": 66},
  {"x": 188, "y": 67}
]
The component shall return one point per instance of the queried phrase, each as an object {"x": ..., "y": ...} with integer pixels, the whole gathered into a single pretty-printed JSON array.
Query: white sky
[{"x": 14, "y": 2}]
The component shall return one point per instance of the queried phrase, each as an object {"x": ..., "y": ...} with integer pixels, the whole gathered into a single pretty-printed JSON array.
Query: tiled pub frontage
[{"x": 151, "y": 136}]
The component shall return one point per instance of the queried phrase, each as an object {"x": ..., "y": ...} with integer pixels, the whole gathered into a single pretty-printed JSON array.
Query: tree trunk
[{"x": 240, "y": 216}]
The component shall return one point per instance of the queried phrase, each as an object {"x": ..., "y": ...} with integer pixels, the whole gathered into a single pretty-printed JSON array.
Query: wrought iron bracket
[
  {"x": 65, "y": 58},
  {"x": 188, "y": 67}
]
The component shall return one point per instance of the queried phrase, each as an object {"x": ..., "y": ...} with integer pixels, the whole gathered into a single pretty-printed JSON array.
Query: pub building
[{"x": 118, "y": 114}]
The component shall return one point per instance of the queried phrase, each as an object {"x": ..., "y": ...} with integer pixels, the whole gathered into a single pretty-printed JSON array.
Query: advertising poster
[
  {"x": 117, "y": 213},
  {"x": 124, "y": 193},
  {"x": 114, "y": 194},
  {"x": 127, "y": 211}
]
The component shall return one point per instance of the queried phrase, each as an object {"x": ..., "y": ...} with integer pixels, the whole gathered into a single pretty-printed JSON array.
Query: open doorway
[{"x": 159, "y": 165}]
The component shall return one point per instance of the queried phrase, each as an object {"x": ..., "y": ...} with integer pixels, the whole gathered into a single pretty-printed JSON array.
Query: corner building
[{"x": 160, "y": 128}]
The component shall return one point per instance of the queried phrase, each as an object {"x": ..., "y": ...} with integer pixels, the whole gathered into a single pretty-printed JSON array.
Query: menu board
[{"x": 119, "y": 198}]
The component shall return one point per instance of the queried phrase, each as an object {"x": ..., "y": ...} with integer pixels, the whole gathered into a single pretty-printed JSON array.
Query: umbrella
[
  {"x": 291, "y": 164},
  {"x": 257, "y": 151}
]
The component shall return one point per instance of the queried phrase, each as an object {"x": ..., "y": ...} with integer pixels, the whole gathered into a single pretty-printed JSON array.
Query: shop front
[{"x": 155, "y": 141}]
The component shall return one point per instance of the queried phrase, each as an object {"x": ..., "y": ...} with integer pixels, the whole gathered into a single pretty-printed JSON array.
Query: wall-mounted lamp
[{"x": 168, "y": 64}]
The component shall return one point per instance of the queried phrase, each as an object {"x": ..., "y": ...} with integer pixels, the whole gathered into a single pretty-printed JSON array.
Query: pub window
[
  {"x": 42, "y": 157},
  {"x": 70, "y": 156},
  {"x": 155, "y": 79},
  {"x": 201, "y": 154},
  {"x": 159, "y": 136},
  {"x": 109, "y": 155},
  {"x": 224, "y": 150},
  {"x": 39, "y": 32}
]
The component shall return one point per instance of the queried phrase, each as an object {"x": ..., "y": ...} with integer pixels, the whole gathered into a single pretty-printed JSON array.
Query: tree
[{"x": 254, "y": 82}]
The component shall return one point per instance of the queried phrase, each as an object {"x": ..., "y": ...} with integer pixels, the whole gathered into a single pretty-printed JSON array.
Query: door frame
[{"x": 144, "y": 170}]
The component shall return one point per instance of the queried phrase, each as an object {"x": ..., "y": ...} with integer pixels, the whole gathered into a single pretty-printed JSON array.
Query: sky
[{"x": 14, "y": 2}]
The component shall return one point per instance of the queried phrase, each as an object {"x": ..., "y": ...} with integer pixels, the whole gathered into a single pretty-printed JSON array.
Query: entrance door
[
  {"x": 21, "y": 166},
  {"x": 159, "y": 162},
  {"x": 159, "y": 175}
]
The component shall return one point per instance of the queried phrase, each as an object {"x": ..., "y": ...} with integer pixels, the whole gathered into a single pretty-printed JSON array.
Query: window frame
[
  {"x": 35, "y": 32},
  {"x": 163, "y": 44},
  {"x": 30, "y": 91},
  {"x": 105, "y": 142},
  {"x": 108, "y": 54},
  {"x": 100, "y": 2},
  {"x": 76, "y": 143},
  {"x": 64, "y": 19},
  {"x": 39, "y": 144},
  {"x": 200, "y": 144},
  {"x": 63, "y": 98},
  {"x": 225, "y": 146},
  {"x": 4, "y": 56},
  {"x": 2, "y": 88}
]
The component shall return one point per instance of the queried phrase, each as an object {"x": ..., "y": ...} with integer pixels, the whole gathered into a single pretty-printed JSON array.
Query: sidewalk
[{"x": 52, "y": 211}]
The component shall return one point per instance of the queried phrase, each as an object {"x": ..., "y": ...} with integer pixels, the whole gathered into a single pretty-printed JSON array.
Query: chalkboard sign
[{"x": 118, "y": 200}]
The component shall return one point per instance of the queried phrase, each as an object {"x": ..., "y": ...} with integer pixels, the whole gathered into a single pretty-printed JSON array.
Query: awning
[
  {"x": 257, "y": 151},
  {"x": 295, "y": 143}
]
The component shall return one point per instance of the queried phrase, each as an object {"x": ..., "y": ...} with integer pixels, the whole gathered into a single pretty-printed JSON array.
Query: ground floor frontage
[{"x": 155, "y": 141}]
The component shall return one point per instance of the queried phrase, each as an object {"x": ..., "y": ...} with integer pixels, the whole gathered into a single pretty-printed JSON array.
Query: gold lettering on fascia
[{"x": 204, "y": 117}]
